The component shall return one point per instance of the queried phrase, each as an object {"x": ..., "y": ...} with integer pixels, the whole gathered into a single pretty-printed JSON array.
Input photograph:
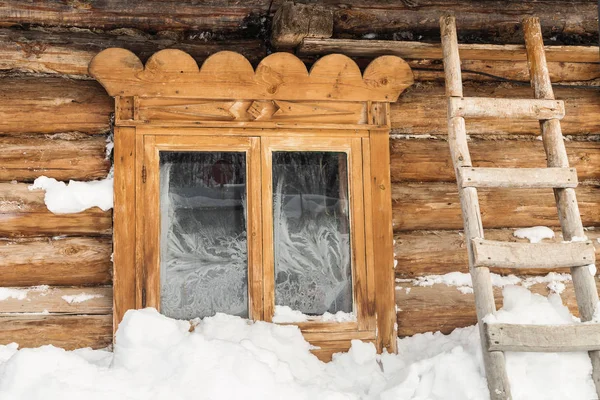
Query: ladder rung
[
  {"x": 542, "y": 338},
  {"x": 478, "y": 107},
  {"x": 517, "y": 177},
  {"x": 492, "y": 253}
]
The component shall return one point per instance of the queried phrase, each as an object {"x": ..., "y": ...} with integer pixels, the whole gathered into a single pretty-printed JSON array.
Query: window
[{"x": 275, "y": 205}]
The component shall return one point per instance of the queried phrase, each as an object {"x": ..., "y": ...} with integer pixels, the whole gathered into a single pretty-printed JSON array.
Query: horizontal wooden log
[
  {"x": 486, "y": 107},
  {"x": 422, "y": 109},
  {"x": 517, "y": 177},
  {"x": 66, "y": 331},
  {"x": 488, "y": 253},
  {"x": 494, "y": 21},
  {"x": 425, "y": 160},
  {"x": 441, "y": 252},
  {"x": 70, "y": 53},
  {"x": 443, "y": 308},
  {"x": 58, "y": 261},
  {"x": 24, "y": 213},
  {"x": 51, "y": 105},
  {"x": 61, "y": 157},
  {"x": 58, "y": 300},
  {"x": 433, "y": 51},
  {"x": 543, "y": 338},
  {"x": 433, "y": 206},
  {"x": 147, "y": 15}
]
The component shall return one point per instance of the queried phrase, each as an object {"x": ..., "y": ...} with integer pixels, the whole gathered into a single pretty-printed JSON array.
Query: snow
[
  {"x": 10, "y": 293},
  {"x": 80, "y": 298},
  {"x": 535, "y": 234},
  {"x": 227, "y": 357},
  {"x": 285, "y": 314},
  {"x": 463, "y": 283},
  {"x": 74, "y": 197}
]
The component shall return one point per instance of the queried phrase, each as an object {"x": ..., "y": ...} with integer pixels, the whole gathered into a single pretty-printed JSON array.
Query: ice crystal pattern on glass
[
  {"x": 312, "y": 232},
  {"x": 203, "y": 234}
]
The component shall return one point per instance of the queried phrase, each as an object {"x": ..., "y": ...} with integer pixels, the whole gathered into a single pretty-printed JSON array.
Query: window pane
[
  {"x": 204, "y": 257},
  {"x": 312, "y": 232}
]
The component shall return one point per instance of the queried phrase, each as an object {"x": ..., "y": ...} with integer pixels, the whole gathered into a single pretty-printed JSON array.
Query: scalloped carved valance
[{"x": 229, "y": 75}]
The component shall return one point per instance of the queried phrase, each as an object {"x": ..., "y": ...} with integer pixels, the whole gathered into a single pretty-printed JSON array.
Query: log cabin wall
[{"x": 55, "y": 120}]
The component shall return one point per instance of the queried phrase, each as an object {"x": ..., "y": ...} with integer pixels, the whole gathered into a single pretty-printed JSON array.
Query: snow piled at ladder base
[{"x": 226, "y": 357}]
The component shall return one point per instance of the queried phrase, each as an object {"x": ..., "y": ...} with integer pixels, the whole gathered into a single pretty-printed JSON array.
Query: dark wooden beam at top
[
  {"x": 491, "y": 21},
  {"x": 145, "y": 15}
]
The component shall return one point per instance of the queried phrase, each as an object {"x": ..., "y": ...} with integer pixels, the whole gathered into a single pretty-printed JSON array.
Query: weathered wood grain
[
  {"x": 56, "y": 261},
  {"x": 493, "y": 21},
  {"x": 426, "y": 160},
  {"x": 66, "y": 331},
  {"x": 422, "y": 109},
  {"x": 24, "y": 213},
  {"x": 436, "y": 206},
  {"x": 69, "y": 53},
  {"x": 59, "y": 300},
  {"x": 148, "y": 15},
  {"x": 543, "y": 338},
  {"x": 51, "y": 105},
  {"x": 489, "y": 253},
  {"x": 441, "y": 252},
  {"x": 433, "y": 51},
  {"x": 443, "y": 308},
  {"x": 78, "y": 157},
  {"x": 517, "y": 177},
  {"x": 487, "y": 107}
]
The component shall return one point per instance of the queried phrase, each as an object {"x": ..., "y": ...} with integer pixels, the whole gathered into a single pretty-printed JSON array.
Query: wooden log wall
[{"x": 55, "y": 120}]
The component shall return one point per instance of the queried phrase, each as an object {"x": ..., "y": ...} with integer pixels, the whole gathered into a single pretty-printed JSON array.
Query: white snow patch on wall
[
  {"x": 535, "y": 234},
  {"x": 10, "y": 293},
  {"x": 464, "y": 284},
  {"x": 75, "y": 196},
  {"x": 80, "y": 298},
  {"x": 285, "y": 314}
]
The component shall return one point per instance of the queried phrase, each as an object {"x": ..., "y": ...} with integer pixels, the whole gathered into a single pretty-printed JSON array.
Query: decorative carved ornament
[{"x": 230, "y": 76}]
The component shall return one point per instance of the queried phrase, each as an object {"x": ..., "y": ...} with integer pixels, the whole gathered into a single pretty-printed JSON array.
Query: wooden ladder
[{"x": 576, "y": 252}]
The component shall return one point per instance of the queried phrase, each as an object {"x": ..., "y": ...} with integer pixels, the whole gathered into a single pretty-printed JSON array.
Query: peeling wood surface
[
  {"x": 56, "y": 261},
  {"x": 66, "y": 331},
  {"x": 59, "y": 300},
  {"x": 78, "y": 157},
  {"x": 436, "y": 206},
  {"x": 441, "y": 252}
]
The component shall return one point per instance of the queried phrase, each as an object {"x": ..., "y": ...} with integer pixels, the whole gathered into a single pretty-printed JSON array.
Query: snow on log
[
  {"x": 58, "y": 300},
  {"x": 23, "y": 213},
  {"x": 444, "y": 308}
]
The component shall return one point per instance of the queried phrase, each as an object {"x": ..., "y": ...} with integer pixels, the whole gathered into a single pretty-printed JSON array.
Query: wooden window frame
[{"x": 172, "y": 104}]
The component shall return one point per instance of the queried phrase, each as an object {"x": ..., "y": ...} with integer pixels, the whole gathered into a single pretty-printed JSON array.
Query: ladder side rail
[
  {"x": 494, "y": 361},
  {"x": 568, "y": 211}
]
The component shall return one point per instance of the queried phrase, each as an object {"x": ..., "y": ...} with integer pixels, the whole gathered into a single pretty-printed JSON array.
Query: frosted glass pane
[
  {"x": 312, "y": 232},
  {"x": 204, "y": 257}
]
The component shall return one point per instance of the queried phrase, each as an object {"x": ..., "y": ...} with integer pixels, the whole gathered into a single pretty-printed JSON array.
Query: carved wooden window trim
[{"x": 171, "y": 103}]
